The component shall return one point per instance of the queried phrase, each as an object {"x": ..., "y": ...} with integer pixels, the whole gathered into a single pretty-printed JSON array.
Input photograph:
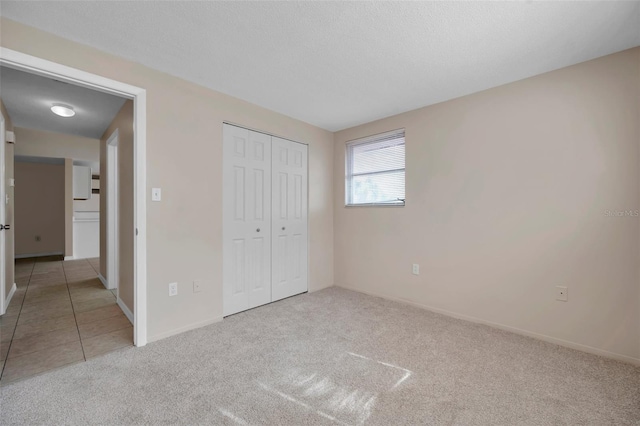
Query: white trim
[
  {"x": 28, "y": 255},
  {"x": 183, "y": 329},
  {"x": 243, "y": 126},
  {"x": 34, "y": 65},
  {"x": 21, "y": 61},
  {"x": 112, "y": 202},
  {"x": 3, "y": 215},
  {"x": 127, "y": 312},
  {"x": 103, "y": 280},
  {"x": 377, "y": 137},
  {"x": 9, "y": 297},
  {"x": 68, "y": 258},
  {"x": 140, "y": 218},
  {"x": 544, "y": 337}
]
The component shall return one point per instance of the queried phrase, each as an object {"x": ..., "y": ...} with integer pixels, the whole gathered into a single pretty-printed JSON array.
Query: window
[{"x": 375, "y": 170}]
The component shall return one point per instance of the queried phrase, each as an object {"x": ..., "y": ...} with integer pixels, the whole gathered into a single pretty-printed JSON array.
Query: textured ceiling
[
  {"x": 339, "y": 64},
  {"x": 29, "y": 98}
]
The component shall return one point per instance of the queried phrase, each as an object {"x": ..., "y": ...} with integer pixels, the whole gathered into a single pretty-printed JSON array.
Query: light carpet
[{"x": 334, "y": 357}]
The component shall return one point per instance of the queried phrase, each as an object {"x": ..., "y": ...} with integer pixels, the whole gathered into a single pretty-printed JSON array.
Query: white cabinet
[
  {"x": 81, "y": 183},
  {"x": 264, "y": 219},
  {"x": 86, "y": 235}
]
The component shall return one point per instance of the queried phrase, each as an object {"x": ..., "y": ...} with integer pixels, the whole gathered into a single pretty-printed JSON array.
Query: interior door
[
  {"x": 3, "y": 217},
  {"x": 246, "y": 219},
  {"x": 289, "y": 218}
]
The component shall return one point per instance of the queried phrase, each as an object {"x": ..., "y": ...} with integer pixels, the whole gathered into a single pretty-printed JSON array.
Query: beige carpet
[{"x": 334, "y": 357}]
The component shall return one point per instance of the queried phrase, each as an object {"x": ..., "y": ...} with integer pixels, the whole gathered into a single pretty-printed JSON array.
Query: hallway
[{"x": 60, "y": 314}]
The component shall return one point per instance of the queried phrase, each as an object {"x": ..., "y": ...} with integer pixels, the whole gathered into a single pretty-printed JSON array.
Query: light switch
[{"x": 156, "y": 194}]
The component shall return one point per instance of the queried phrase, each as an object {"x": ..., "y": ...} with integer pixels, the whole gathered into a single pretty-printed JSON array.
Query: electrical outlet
[
  {"x": 38, "y": 238},
  {"x": 156, "y": 194},
  {"x": 173, "y": 289},
  {"x": 197, "y": 286},
  {"x": 415, "y": 270},
  {"x": 562, "y": 293}
]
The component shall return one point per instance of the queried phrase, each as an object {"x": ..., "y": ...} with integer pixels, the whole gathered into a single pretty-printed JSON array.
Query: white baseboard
[
  {"x": 544, "y": 337},
  {"x": 8, "y": 299},
  {"x": 125, "y": 309},
  {"x": 104, "y": 282},
  {"x": 69, "y": 258},
  {"x": 25, "y": 256},
  {"x": 183, "y": 329}
]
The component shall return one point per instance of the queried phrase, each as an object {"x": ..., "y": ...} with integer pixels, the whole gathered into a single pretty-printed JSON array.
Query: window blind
[{"x": 376, "y": 170}]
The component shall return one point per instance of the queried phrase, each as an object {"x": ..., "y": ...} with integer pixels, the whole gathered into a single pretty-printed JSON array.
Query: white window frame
[{"x": 349, "y": 167}]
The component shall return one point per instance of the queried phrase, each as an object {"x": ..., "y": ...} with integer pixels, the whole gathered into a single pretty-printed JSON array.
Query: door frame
[
  {"x": 113, "y": 223},
  {"x": 3, "y": 213},
  {"x": 34, "y": 65}
]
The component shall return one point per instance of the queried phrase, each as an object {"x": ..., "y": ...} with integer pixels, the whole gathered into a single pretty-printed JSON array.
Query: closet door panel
[
  {"x": 246, "y": 219},
  {"x": 289, "y": 218},
  {"x": 260, "y": 265}
]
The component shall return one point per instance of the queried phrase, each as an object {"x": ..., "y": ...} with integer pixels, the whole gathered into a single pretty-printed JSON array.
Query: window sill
[{"x": 376, "y": 205}]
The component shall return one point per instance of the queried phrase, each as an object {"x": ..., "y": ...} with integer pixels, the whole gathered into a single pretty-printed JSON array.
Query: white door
[
  {"x": 3, "y": 216},
  {"x": 246, "y": 219},
  {"x": 289, "y": 219}
]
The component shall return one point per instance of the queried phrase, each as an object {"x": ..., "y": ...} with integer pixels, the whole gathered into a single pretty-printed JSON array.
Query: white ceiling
[
  {"x": 339, "y": 64},
  {"x": 29, "y": 98}
]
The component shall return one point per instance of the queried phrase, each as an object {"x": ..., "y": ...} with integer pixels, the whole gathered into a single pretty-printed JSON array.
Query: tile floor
[{"x": 60, "y": 314}]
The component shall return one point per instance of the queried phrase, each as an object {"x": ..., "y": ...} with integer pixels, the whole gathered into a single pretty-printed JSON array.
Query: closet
[{"x": 264, "y": 219}]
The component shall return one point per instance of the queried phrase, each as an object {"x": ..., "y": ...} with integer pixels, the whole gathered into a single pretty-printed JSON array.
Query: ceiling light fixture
[{"x": 63, "y": 110}]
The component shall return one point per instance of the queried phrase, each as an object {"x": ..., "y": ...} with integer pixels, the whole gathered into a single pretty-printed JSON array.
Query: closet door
[
  {"x": 246, "y": 219},
  {"x": 289, "y": 219}
]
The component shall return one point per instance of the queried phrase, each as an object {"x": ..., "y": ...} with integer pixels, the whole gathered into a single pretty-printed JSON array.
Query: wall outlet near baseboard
[
  {"x": 173, "y": 289},
  {"x": 415, "y": 269},
  {"x": 562, "y": 293},
  {"x": 197, "y": 286}
]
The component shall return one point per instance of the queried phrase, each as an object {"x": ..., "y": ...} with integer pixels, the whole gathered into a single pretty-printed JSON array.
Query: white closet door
[
  {"x": 246, "y": 219},
  {"x": 289, "y": 219}
]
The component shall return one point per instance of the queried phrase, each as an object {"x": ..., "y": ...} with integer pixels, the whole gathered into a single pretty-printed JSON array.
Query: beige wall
[
  {"x": 184, "y": 158},
  {"x": 123, "y": 121},
  {"x": 39, "y": 208},
  {"x": 507, "y": 192},
  {"x": 9, "y": 235},
  {"x": 39, "y": 143}
]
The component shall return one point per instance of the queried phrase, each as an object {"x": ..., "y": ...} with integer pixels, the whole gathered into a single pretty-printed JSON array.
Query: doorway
[
  {"x": 34, "y": 65},
  {"x": 74, "y": 270},
  {"x": 3, "y": 224}
]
